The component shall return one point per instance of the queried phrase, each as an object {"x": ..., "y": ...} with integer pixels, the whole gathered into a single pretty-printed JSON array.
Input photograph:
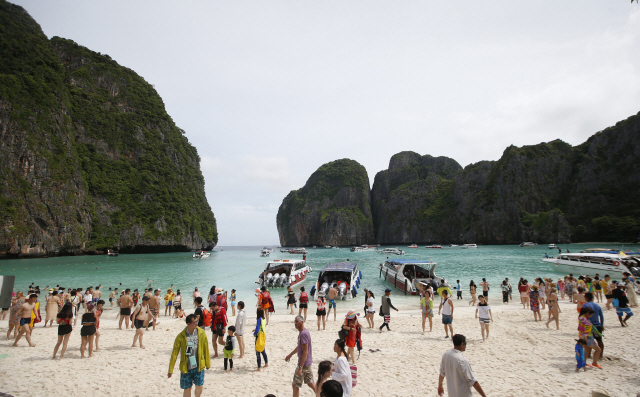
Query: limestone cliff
[
  {"x": 90, "y": 159},
  {"x": 333, "y": 208}
]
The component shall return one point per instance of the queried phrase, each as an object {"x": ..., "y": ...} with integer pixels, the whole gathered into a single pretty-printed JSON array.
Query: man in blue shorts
[
  {"x": 193, "y": 347},
  {"x": 333, "y": 292}
]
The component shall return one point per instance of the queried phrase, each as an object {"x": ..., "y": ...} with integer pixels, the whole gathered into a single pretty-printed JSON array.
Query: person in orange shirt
[{"x": 265, "y": 299}]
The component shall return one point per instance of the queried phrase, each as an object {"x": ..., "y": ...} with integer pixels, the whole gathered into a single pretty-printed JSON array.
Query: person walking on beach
[
  {"x": 586, "y": 331},
  {"x": 623, "y": 308},
  {"x": 446, "y": 307},
  {"x": 304, "y": 302},
  {"x": 473, "y": 292},
  {"x": 53, "y": 305},
  {"x": 25, "y": 312},
  {"x": 385, "y": 309},
  {"x": 321, "y": 312},
  {"x": 112, "y": 295},
  {"x": 178, "y": 312},
  {"x": 371, "y": 310},
  {"x": 168, "y": 301},
  {"x": 218, "y": 326},
  {"x": 141, "y": 318},
  {"x": 457, "y": 370},
  {"x": 341, "y": 368},
  {"x": 485, "y": 289},
  {"x": 597, "y": 320},
  {"x": 264, "y": 302},
  {"x": 524, "y": 293},
  {"x": 534, "y": 302},
  {"x": 333, "y": 292},
  {"x": 291, "y": 299},
  {"x": 261, "y": 339},
  {"x": 88, "y": 330},
  {"x": 459, "y": 289},
  {"x": 554, "y": 308},
  {"x": 154, "y": 308},
  {"x": 65, "y": 317},
  {"x": 505, "y": 291},
  {"x": 426, "y": 305},
  {"x": 303, "y": 373},
  {"x": 353, "y": 327},
  {"x": 125, "y": 302},
  {"x": 241, "y": 319},
  {"x": 193, "y": 347},
  {"x": 486, "y": 317}
]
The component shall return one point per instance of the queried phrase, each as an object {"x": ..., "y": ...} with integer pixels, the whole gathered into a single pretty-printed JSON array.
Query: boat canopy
[
  {"x": 347, "y": 267},
  {"x": 410, "y": 261}
]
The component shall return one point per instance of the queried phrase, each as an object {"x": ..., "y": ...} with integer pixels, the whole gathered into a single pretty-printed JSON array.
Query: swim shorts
[
  {"x": 138, "y": 323},
  {"x": 64, "y": 329},
  {"x": 447, "y": 319},
  {"x": 170, "y": 303},
  {"x": 154, "y": 310},
  {"x": 227, "y": 353},
  {"x": 125, "y": 311},
  {"x": 303, "y": 306},
  {"x": 597, "y": 337},
  {"x": 591, "y": 341},
  {"x": 485, "y": 320},
  {"x": 322, "y": 312},
  {"x": 24, "y": 321},
  {"x": 619, "y": 311},
  {"x": 190, "y": 378},
  {"x": 306, "y": 377},
  {"x": 332, "y": 303}
]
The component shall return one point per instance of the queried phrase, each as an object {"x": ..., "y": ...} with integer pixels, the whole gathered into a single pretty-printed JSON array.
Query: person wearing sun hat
[{"x": 352, "y": 326}]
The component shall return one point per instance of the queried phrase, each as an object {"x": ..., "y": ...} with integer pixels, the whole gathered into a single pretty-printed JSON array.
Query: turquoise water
[{"x": 239, "y": 267}]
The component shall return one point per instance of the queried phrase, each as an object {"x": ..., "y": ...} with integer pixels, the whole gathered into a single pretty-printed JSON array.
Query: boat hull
[{"x": 585, "y": 269}]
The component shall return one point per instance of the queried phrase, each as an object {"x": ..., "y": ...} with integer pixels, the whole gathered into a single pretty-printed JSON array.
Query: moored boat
[
  {"x": 435, "y": 246},
  {"x": 283, "y": 273},
  {"x": 392, "y": 251},
  {"x": 469, "y": 246},
  {"x": 411, "y": 276},
  {"x": 413, "y": 246},
  {"x": 528, "y": 244},
  {"x": 345, "y": 275},
  {"x": 298, "y": 250},
  {"x": 588, "y": 264},
  {"x": 112, "y": 253},
  {"x": 201, "y": 254},
  {"x": 552, "y": 246},
  {"x": 265, "y": 252}
]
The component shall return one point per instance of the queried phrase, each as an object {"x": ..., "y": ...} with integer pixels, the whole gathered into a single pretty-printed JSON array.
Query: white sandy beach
[{"x": 521, "y": 358}]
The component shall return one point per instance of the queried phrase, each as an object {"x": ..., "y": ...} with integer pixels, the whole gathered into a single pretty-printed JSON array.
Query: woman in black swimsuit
[
  {"x": 88, "y": 330},
  {"x": 65, "y": 317},
  {"x": 554, "y": 308}
]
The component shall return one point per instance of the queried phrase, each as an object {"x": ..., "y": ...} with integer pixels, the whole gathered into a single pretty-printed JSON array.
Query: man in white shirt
[
  {"x": 455, "y": 367},
  {"x": 241, "y": 318}
]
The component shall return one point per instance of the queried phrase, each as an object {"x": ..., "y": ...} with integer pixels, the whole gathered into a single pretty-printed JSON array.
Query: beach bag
[
  {"x": 207, "y": 316},
  {"x": 615, "y": 302},
  {"x": 343, "y": 333},
  {"x": 354, "y": 375},
  {"x": 261, "y": 340},
  {"x": 380, "y": 312}
]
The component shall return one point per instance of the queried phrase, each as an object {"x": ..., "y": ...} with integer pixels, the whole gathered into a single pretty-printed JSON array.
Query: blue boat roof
[
  {"x": 340, "y": 267},
  {"x": 407, "y": 261}
]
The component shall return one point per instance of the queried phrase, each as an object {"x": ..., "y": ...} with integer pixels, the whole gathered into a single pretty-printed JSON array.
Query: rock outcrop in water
[
  {"x": 90, "y": 159},
  {"x": 333, "y": 208},
  {"x": 550, "y": 192}
]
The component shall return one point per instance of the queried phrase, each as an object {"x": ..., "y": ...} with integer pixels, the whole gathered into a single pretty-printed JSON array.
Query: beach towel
[{"x": 354, "y": 375}]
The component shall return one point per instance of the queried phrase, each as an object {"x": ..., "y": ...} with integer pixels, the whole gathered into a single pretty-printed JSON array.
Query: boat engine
[
  {"x": 283, "y": 279},
  {"x": 324, "y": 288},
  {"x": 342, "y": 290},
  {"x": 635, "y": 271},
  {"x": 268, "y": 280}
]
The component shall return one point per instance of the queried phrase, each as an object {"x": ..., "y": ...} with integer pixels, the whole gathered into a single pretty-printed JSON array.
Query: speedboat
[
  {"x": 470, "y": 246},
  {"x": 529, "y": 244},
  {"x": 392, "y": 251},
  {"x": 413, "y": 246},
  {"x": 327, "y": 246},
  {"x": 283, "y": 273},
  {"x": 411, "y": 276},
  {"x": 264, "y": 252},
  {"x": 588, "y": 264},
  {"x": 453, "y": 245},
  {"x": 112, "y": 253},
  {"x": 433, "y": 246},
  {"x": 335, "y": 247},
  {"x": 201, "y": 254},
  {"x": 299, "y": 250},
  {"x": 552, "y": 246},
  {"x": 345, "y": 275}
]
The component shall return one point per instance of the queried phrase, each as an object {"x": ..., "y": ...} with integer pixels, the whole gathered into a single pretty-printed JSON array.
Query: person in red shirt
[
  {"x": 218, "y": 326},
  {"x": 264, "y": 302}
]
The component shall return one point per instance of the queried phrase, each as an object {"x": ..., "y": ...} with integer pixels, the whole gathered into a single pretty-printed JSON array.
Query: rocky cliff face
[
  {"x": 333, "y": 208},
  {"x": 90, "y": 159}
]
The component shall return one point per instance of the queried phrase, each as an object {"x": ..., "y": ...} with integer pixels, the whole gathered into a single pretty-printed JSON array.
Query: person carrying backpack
[
  {"x": 218, "y": 326},
  {"x": 304, "y": 302},
  {"x": 265, "y": 302},
  {"x": 202, "y": 314},
  {"x": 352, "y": 326}
]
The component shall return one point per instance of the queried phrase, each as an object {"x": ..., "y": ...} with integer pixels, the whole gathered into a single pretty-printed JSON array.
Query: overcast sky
[{"x": 270, "y": 90}]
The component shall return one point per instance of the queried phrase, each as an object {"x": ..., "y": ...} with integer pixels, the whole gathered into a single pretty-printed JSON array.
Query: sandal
[{"x": 597, "y": 366}]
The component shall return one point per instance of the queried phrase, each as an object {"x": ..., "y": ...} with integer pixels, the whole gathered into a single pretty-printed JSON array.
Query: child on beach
[
  {"x": 230, "y": 348},
  {"x": 324, "y": 374},
  {"x": 581, "y": 363}
]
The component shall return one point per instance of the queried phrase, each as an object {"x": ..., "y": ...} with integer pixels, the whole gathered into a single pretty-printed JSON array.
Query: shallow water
[{"x": 239, "y": 267}]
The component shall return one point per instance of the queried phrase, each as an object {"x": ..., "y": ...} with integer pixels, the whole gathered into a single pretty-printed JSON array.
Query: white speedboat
[
  {"x": 453, "y": 245},
  {"x": 411, "y": 276},
  {"x": 201, "y": 254},
  {"x": 588, "y": 264},
  {"x": 392, "y": 251},
  {"x": 327, "y": 246},
  {"x": 265, "y": 252},
  {"x": 298, "y": 250},
  {"x": 335, "y": 247},
  {"x": 345, "y": 275},
  {"x": 528, "y": 244},
  {"x": 470, "y": 246},
  {"x": 112, "y": 253},
  {"x": 552, "y": 246},
  {"x": 413, "y": 246},
  {"x": 283, "y": 273},
  {"x": 435, "y": 246}
]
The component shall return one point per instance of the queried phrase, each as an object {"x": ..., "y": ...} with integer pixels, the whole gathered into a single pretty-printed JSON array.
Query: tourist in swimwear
[
  {"x": 99, "y": 309},
  {"x": 554, "y": 308},
  {"x": 88, "y": 330},
  {"x": 125, "y": 302},
  {"x": 579, "y": 299},
  {"x": 473, "y": 292},
  {"x": 65, "y": 317},
  {"x": 426, "y": 306},
  {"x": 333, "y": 293},
  {"x": 178, "y": 311},
  {"x": 321, "y": 311},
  {"x": 233, "y": 304},
  {"x": 141, "y": 320},
  {"x": 14, "y": 318},
  {"x": 24, "y": 314}
]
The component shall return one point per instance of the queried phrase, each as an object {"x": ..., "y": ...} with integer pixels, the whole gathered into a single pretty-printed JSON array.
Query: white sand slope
[{"x": 521, "y": 358}]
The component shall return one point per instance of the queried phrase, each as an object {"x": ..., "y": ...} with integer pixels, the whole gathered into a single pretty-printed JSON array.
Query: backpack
[
  {"x": 266, "y": 297},
  {"x": 207, "y": 316},
  {"x": 271, "y": 308},
  {"x": 304, "y": 298},
  {"x": 262, "y": 339}
]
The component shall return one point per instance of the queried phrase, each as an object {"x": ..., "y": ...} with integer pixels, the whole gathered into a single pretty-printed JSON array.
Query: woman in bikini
[
  {"x": 554, "y": 308},
  {"x": 88, "y": 330},
  {"x": 65, "y": 317},
  {"x": 472, "y": 291}
]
